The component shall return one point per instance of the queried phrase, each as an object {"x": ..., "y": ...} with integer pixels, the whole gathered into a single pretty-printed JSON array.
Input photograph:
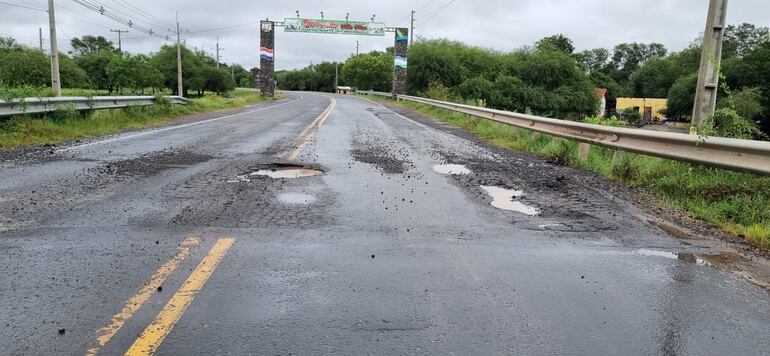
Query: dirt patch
[
  {"x": 388, "y": 156},
  {"x": 151, "y": 164}
]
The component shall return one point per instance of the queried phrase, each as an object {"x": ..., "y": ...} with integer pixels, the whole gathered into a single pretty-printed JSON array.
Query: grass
[
  {"x": 67, "y": 124},
  {"x": 738, "y": 203}
]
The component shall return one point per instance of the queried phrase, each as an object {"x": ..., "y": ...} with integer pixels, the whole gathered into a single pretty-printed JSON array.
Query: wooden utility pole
[
  {"x": 711, "y": 58},
  {"x": 40, "y": 35},
  {"x": 120, "y": 40},
  {"x": 357, "y": 47},
  {"x": 179, "y": 86},
  {"x": 55, "y": 78}
]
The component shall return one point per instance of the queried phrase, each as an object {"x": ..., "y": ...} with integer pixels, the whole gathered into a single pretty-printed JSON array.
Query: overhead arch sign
[{"x": 338, "y": 27}]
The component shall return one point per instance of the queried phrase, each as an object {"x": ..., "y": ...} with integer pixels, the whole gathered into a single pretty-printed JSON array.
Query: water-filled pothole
[
  {"x": 288, "y": 172},
  {"x": 279, "y": 171},
  {"x": 452, "y": 169},
  {"x": 504, "y": 199}
]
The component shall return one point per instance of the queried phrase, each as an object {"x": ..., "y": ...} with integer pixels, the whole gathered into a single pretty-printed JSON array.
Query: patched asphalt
[{"x": 378, "y": 254}]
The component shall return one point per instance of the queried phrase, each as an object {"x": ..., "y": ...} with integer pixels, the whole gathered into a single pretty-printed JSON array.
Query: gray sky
[{"x": 497, "y": 24}]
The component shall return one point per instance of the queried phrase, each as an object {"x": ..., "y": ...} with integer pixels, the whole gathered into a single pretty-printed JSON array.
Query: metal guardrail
[
  {"x": 44, "y": 105},
  {"x": 733, "y": 154}
]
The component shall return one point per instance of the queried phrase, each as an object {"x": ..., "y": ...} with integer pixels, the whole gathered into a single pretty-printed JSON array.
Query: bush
[
  {"x": 437, "y": 91},
  {"x": 632, "y": 116},
  {"x": 727, "y": 123},
  {"x": 561, "y": 152}
]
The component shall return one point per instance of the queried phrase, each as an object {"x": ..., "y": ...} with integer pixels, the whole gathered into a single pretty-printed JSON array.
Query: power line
[
  {"x": 22, "y": 6},
  {"x": 107, "y": 13},
  {"x": 437, "y": 12}
]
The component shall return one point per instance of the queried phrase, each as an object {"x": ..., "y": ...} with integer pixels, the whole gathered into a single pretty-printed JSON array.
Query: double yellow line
[
  {"x": 303, "y": 139},
  {"x": 149, "y": 341}
]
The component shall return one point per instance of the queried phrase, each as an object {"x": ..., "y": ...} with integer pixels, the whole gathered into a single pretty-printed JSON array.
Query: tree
[
  {"x": 89, "y": 45},
  {"x": 742, "y": 39},
  {"x": 9, "y": 44},
  {"x": 655, "y": 78},
  {"x": 560, "y": 43},
  {"x": 218, "y": 80},
  {"x": 165, "y": 61},
  {"x": 593, "y": 60},
  {"x": 628, "y": 57},
  {"x": 369, "y": 71},
  {"x": 95, "y": 66},
  {"x": 681, "y": 97}
]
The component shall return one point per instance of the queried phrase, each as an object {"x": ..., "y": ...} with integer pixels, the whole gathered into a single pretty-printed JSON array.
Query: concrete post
[
  {"x": 583, "y": 150},
  {"x": 267, "y": 59},
  {"x": 708, "y": 76},
  {"x": 400, "y": 51}
]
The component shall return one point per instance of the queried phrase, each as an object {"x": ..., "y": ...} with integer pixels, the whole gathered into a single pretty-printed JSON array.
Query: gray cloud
[{"x": 497, "y": 24}]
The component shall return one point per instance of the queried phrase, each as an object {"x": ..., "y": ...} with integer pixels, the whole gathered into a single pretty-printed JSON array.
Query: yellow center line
[
  {"x": 302, "y": 140},
  {"x": 135, "y": 302},
  {"x": 157, "y": 331},
  {"x": 325, "y": 115}
]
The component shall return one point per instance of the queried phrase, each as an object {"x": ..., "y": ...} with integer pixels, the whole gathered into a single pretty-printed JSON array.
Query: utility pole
[
  {"x": 357, "y": 48},
  {"x": 411, "y": 33},
  {"x": 55, "y": 78},
  {"x": 40, "y": 34},
  {"x": 336, "y": 76},
  {"x": 180, "y": 87},
  {"x": 120, "y": 40},
  {"x": 218, "y": 49},
  {"x": 708, "y": 76}
]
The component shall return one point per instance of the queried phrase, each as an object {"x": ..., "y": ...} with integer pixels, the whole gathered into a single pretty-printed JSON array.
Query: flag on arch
[{"x": 266, "y": 53}]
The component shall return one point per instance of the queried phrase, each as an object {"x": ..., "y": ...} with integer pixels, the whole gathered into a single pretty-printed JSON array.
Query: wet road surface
[{"x": 397, "y": 236}]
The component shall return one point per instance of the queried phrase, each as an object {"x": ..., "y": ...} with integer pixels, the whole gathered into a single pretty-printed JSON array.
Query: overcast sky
[{"x": 499, "y": 24}]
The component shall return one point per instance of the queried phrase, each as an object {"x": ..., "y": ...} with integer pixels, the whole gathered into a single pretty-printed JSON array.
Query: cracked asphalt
[{"x": 111, "y": 242}]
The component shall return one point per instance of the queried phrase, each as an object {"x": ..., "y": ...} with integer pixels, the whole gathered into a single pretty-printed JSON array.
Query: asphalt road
[{"x": 164, "y": 241}]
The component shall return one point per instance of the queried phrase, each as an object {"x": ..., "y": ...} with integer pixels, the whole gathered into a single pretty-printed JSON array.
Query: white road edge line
[{"x": 300, "y": 97}]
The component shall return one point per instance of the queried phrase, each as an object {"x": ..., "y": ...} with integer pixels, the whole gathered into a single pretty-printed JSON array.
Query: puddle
[
  {"x": 288, "y": 172},
  {"x": 452, "y": 169},
  {"x": 686, "y": 257},
  {"x": 503, "y": 199},
  {"x": 296, "y": 198},
  {"x": 279, "y": 172}
]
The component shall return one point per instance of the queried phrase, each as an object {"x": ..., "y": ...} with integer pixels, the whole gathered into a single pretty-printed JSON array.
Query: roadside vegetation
[
  {"x": 67, "y": 124},
  {"x": 96, "y": 68},
  {"x": 738, "y": 203}
]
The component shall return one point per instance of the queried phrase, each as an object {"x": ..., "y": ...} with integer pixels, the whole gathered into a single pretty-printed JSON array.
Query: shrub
[{"x": 632, "y": 116}]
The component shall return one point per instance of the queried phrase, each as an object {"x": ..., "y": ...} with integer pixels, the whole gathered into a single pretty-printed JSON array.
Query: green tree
[
  {"x": 593, "y": 60},
  {"x": 95, "y": 66},
  {"x": 681, "y": 97},
  {"x": 655, "y": 78},
  {"x": 217, "y": 80},
  {"x": 742, "y": 39},
  {"x": 560, "y": 43},
  {"x": 165, "y": 61},
  {"x": 89, "y": 45},
  {"x": 369, "y": 71}
]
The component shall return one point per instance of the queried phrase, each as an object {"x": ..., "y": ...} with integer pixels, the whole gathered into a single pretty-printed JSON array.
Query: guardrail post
[
  {"x": 617, "y": 156},
  {"x": 583, "y": 150}
]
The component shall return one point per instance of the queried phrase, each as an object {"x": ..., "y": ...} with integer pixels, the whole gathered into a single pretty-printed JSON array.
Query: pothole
[
  {"x": 504, "y": 199},
  {"x": 280, "y": 171},
  {"x": 296, "y": 198},
  {"x": 452, "y": 169}
]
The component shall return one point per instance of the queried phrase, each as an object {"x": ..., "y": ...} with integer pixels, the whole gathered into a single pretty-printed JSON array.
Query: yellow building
[{"x": 650, "y": 109}]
